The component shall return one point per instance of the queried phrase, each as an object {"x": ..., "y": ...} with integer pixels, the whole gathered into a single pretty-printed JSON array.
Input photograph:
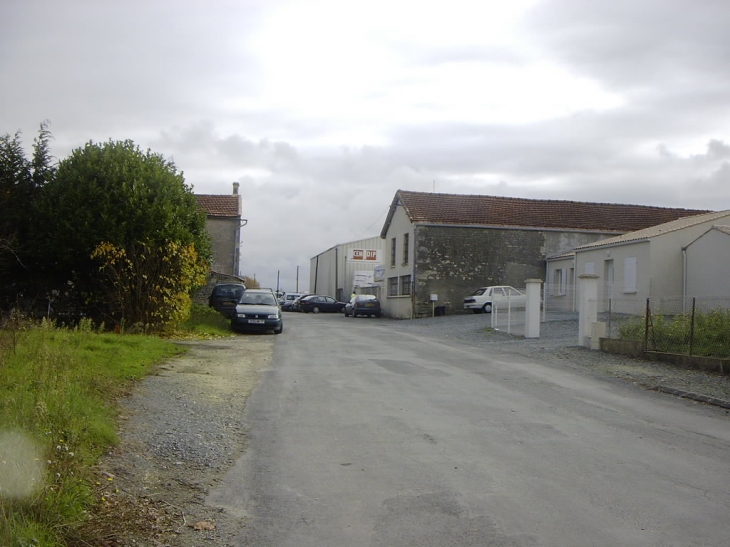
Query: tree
[
  {"x": 15, "y": 187},
  {"x": 116, "y": 195},
  {"x": 149, "y": 287},
  {"x": 21, "y": 181}
]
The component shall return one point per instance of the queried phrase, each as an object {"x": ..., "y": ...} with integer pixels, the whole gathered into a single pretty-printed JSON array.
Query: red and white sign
[{"x": 363, "y": 255}]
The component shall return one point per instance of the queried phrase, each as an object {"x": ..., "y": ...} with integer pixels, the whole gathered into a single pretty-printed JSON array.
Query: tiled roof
[
  {"x": 722, "y": 228},
  {"x": 459, "y": 209},
  {"x": 220, "y": 205},
  {"x": 665, "y": 228}
]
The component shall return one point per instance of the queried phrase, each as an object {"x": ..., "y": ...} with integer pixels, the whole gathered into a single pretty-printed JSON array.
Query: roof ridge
[
  {"x": 549, "y": 200},
  {"x": 484, "y": 210}
]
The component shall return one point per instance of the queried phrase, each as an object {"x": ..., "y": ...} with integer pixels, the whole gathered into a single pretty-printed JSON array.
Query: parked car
[
  {"x": 288, "y": 299},
  {"x": 482, "y": 300},
  {"x": 363, "y": 304},
  {"x": 225, "y": 296},
  {"x": 319, "y": 303},
  {"x": 257, "y": 310}
]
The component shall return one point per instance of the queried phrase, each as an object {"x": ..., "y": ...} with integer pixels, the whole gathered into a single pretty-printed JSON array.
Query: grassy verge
[
  {"x": 204, "y": 322},
  {"x": 707, "y": 337},
  {"x": 58, "y": 394}
]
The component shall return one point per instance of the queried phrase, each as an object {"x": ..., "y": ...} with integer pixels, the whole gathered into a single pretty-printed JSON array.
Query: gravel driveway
[{"x": 183, "y": 427}]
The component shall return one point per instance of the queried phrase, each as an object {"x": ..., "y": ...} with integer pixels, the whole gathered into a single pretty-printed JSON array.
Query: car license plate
[
  {"x": 256, "y": 321},
  {"x": 368, "y": 304}
]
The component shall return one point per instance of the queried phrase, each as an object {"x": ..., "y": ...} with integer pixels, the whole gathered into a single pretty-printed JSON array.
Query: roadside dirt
[{"x": 151, "y": 488}]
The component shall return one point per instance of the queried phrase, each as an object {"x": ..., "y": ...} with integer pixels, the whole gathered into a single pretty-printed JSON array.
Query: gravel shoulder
[
  {"x": 183, "y": 427},
  {"x": 179, "y": 431}
]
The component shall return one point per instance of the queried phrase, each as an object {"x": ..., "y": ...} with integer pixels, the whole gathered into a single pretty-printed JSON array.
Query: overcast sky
[{"x": 322, "y": 109}]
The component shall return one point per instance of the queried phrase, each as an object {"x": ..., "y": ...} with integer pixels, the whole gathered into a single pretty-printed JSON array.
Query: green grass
[
  {"x": 204, "y": 322},
  {"x": 673, "y": 333},
  {"x": 58, "y": 394}
]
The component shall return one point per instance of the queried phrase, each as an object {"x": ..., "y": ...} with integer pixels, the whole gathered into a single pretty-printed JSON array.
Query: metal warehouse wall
[{"x": 331, "y": 272}]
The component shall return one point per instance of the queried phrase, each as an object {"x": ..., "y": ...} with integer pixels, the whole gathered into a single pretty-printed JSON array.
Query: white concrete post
[
  {"x": 587, "y": 307},
  {"x": 532, "y": 308}
]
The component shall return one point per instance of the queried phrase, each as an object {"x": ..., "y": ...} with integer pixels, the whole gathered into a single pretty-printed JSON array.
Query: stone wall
[
  {"x": 201, "y": 295},
  {"x": 455, "y": 261},
  {"x": 224, "y": 235},
  {"x": 636, "y": 349}
]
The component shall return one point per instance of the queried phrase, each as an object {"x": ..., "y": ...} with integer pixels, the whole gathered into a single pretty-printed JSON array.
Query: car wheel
[
  {"x": 279, "y": 330},
  {"x": 487, "y": 307},
  {"x": 315, "y": 309}
]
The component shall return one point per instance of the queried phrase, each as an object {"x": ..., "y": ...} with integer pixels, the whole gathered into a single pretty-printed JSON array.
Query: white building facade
[{"x": 654, "y": 263}]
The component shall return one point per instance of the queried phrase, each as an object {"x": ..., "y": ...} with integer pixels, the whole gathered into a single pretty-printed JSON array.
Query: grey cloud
[
  {"x": 629, "y": 44},
  {"x": 717, "y": 149}
]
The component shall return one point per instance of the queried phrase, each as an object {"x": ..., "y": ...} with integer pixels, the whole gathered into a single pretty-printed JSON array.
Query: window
[
  {"x": 630, "y": 274},
  {"x": 557, "y": 280},
  {"x": 560, "y": 282},
  {"x": 405, "y": 248},
  {"x": 392, "y": 253},
  {"x": 405, "y": 284},
  {"x": 392, "y": 286}
]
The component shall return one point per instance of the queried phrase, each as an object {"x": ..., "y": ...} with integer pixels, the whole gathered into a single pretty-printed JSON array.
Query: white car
[
  {"x": 288, "y": 299},
  {"x": 482, "y": 299}
]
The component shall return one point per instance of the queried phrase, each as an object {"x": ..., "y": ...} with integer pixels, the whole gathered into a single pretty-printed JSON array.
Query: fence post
[
  {"x": 588, "y": 307},
  {"x": 609, "y": 317},
  {"x": 692, "y": 328},
  {"x": 532, "y": 308},
  {"x": 646, "y": 326}
]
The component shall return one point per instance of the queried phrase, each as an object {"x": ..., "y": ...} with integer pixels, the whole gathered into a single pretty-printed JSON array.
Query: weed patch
[{"x": 58, "y": 393}]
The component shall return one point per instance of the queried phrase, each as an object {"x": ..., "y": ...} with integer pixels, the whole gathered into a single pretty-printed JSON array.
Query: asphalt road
[{"x": 361, "y": 435}]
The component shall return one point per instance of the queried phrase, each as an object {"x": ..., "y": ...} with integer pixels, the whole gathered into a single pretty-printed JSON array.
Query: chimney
[{"x": 235, "y": 188}]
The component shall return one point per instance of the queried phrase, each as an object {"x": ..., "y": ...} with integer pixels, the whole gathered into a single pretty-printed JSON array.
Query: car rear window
[{"x": 228, "y": 292}]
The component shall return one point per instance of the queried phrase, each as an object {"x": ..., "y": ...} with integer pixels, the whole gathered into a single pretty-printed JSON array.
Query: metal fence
[
  {"x": 681, "y": 325},
  {"x": 508, "y": 317}
]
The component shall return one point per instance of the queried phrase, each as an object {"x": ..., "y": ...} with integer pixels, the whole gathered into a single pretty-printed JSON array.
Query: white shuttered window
[{"x": 630, "y": 274}]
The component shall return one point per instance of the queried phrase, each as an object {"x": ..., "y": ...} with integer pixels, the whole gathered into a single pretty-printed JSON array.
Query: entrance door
[{"x": 608, "y": 276}]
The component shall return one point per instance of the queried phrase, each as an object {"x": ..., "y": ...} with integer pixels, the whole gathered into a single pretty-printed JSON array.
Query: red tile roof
[
  {"x": 220, "y": 205},
  {"x": 473, "y": 210}
]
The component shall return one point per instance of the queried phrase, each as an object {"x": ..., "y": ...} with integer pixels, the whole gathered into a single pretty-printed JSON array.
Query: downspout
[
  {"x": 575, "y": 279},
  {"x": 316, "y": 273},
  {"x": 684, "y": 279},
  {"x": 413, "y": 289},
  {"x": 545, "y": 290}
]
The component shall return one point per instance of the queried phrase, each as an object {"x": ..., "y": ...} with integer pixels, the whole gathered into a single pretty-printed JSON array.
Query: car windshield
[
  {"x": 253, "y": 299},
  {"x": 479, "y": 292}
]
